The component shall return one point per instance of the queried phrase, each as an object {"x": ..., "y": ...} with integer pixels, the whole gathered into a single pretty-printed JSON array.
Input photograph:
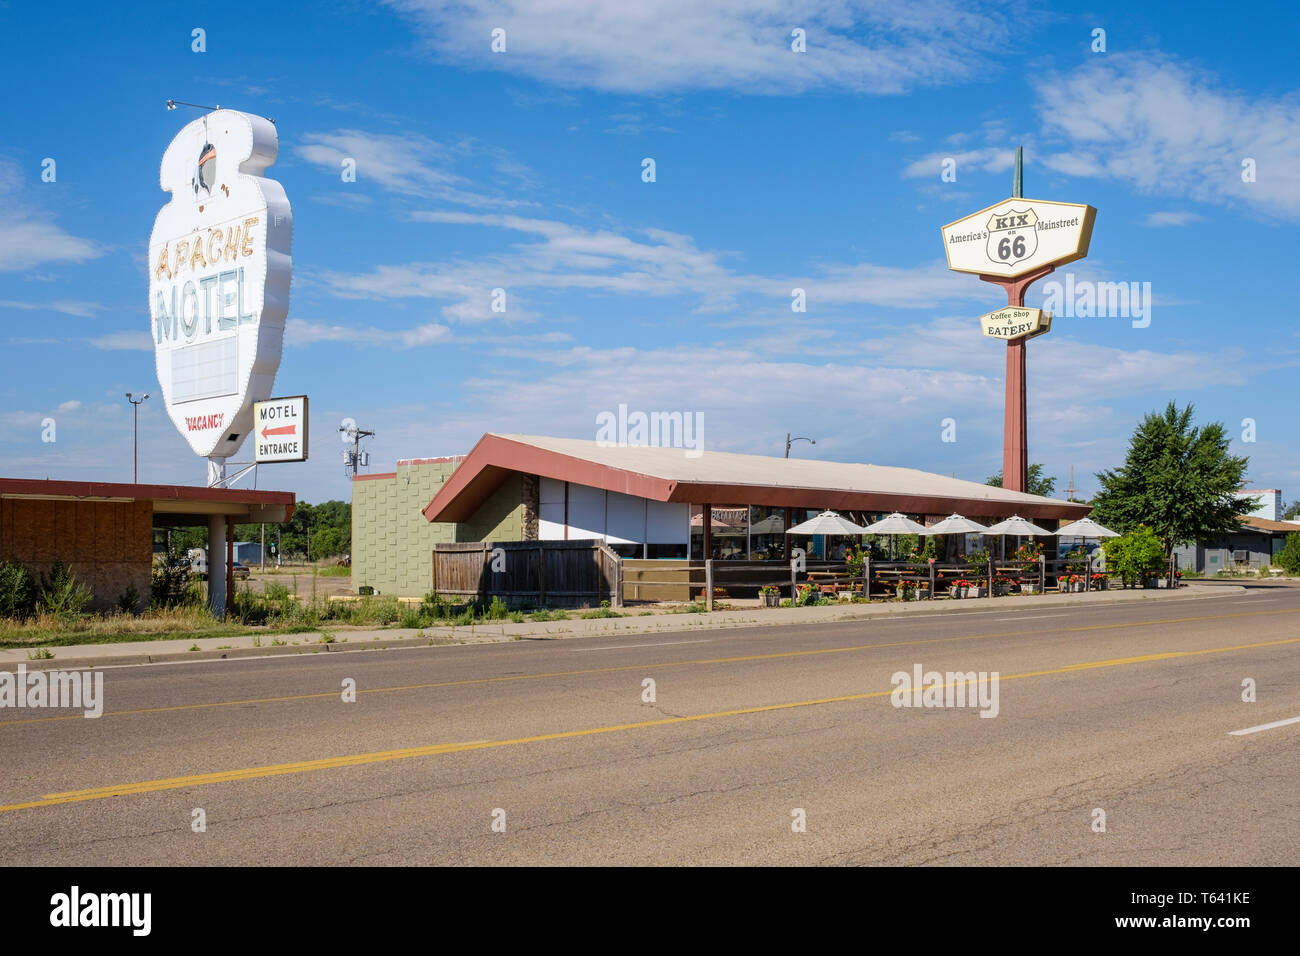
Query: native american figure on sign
[{"x": 1013, "y": 236}]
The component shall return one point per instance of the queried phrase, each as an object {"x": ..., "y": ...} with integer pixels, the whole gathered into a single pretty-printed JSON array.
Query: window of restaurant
[
  {"x": 728, "y": 531},
  {"x": 766, "y": 533}
]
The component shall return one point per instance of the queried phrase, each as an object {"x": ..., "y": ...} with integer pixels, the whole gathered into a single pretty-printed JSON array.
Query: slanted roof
[
  {"x": 172, "y": 504},
  {"x": 722, "y": 478},
  {"x": 1264, "y": 524}
]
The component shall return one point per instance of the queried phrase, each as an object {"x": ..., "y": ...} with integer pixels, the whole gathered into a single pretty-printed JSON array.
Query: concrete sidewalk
[{"x": 359, "y": 639}]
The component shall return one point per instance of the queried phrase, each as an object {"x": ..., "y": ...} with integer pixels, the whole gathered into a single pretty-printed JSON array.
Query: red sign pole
[{"x": 1015, "y": 426}]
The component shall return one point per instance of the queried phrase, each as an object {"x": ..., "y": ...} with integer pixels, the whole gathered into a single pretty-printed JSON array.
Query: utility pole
[
  {"x": 354, "y": 458},
  {"x": 135, "y": 434},
  {"x": 1069, "y": 492}
]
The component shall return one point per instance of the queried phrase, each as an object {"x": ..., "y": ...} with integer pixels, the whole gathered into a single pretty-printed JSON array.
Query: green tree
[
  {"x": 1291, "y": 512},
  {"x": 1178, "y": 480},
  {"x": 1288, "y": 559},
  {"x": 1136, "y": 555},
  {"x": 1038, "y": 485}
]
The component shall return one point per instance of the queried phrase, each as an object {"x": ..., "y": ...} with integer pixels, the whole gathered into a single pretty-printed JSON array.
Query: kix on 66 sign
[{"x": 280, "y": 429}]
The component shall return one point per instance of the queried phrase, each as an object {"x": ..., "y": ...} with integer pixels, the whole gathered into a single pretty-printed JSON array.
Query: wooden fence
[{"x": 542, "y": 573}]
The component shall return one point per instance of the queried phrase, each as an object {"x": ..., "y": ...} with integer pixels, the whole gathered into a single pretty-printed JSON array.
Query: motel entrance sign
[{"x": 1013, "y": 243}]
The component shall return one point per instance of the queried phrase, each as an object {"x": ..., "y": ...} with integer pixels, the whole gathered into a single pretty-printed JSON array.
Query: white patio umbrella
[
  {"x": 1017, "y": 526},
  {"x": 1085, "y": 528},
  {"x": 828, "y": 522},
  {"x": 956, "y": 524},
  {"x": 896, "y": 523}
]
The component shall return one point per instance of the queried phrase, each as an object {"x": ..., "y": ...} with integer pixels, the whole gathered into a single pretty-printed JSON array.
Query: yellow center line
[
  {"x": 747, "y": 658},
  {"x": 407, "y": 753}
]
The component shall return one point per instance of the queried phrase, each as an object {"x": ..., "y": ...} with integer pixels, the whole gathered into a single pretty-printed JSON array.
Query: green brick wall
[
  {"x": 501, "y": 518},
  {"x": 392, "y": 543}
]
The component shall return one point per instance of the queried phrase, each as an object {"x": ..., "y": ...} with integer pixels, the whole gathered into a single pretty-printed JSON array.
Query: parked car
[{"x": 239, "y": 569}]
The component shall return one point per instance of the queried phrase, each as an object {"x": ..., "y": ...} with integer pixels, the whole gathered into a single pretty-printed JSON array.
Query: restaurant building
[{"x": 644, "y": 502}]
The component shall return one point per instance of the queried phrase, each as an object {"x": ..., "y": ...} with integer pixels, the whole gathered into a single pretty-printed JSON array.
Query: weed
[{"x": 40, "y": 654}]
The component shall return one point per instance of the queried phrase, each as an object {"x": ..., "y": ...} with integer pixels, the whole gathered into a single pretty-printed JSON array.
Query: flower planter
[
  {"x": 771, "y": 600},
  {"x": 913, "y": 595},
  {"x": 1029, "y": 589},
  {"x": 974, "y": 592}
]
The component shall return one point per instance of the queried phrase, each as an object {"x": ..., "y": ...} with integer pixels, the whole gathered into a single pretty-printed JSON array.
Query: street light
[
  {"x": 789, "y": 441},
  {"x": 135, "y": 434}
]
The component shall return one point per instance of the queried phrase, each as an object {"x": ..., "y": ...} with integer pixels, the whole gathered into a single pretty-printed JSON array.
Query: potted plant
[
  {"x": 770, "y": 595},
  {"x": 807, "y": 594},
  {"x": 1001, "y": 585},
  {"x": 1100, "y": 581}
]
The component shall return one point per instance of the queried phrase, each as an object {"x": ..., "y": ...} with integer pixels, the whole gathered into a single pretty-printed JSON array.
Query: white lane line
[
  {"x": 1036, "y": 617},
  {"x": 621, "y": 647},
  {"x": 1255, "y": 730}
]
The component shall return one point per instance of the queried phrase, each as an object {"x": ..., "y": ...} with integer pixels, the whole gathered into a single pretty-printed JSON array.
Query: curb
[{"x": 662, "y": 623}]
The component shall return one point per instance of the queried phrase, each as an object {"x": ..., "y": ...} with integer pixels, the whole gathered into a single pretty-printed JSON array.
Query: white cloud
[
  {"x": 989, "y": 159},
  {"x": 646, "y": 262},
  {"x": 742, "y": 45},
  {"x": 28, "y": 236},
  {"x": 134, "y": 340},
  {"x": 409, "y": 164},
  {"x": 1166, "y": 129},
  {"x": 302, "y": 332},
  {"x": 1161, "y": 219},
  {"x": 63, "y": 306}
]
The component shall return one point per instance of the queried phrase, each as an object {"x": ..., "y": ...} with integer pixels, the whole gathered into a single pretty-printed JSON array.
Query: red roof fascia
[
  {"x": 492, "y": 460},
  {"x": 51, "y": 488}
]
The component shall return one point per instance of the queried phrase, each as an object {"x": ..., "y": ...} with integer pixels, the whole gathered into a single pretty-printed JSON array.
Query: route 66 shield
[{"x": 1013, "y": 236}]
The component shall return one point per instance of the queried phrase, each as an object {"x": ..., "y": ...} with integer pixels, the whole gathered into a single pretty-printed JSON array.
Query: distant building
[
  {"x": 1255, "y": 545},
  {"x": 104, "y": 531},
  {"x": 248, "y": 552},
  {"x": 1268, "y": 502}
]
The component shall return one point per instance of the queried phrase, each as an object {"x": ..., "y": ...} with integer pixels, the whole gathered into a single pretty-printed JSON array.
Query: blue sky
[{"x": 522, "y": 170}]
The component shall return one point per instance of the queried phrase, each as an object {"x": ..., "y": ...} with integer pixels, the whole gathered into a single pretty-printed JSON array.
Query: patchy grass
[{"x": 62, "y": 630}]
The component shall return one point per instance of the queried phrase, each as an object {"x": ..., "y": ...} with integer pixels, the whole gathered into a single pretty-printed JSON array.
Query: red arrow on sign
[{"x": 282, "y": 430}]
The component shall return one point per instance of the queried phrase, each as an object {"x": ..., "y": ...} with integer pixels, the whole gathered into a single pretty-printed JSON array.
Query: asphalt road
[{"x": 1127, "y": 709}]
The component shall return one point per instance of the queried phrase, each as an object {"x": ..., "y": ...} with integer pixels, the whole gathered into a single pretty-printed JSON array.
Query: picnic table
[{"x": 832, "y": 582}]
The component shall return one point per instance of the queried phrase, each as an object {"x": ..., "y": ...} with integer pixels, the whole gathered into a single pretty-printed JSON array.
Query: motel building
[
  {"x": 104, "y": 530},
  {"x": 656, "y": 508}
]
